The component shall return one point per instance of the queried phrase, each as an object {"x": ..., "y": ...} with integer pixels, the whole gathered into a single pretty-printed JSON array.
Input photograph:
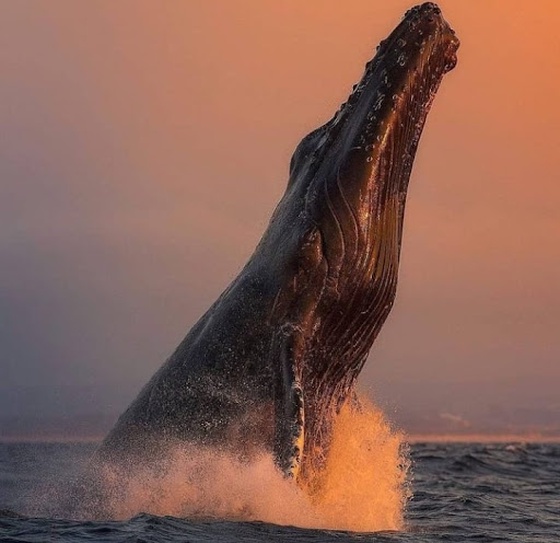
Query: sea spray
[{"x": 364, "y": 486}]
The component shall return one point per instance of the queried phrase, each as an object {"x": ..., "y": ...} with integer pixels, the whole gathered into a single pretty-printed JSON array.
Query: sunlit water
[{"x": 461, "y": 492}]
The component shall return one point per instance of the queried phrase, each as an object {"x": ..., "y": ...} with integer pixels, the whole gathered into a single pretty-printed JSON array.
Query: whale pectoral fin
[{"x": 289, "y": 429}]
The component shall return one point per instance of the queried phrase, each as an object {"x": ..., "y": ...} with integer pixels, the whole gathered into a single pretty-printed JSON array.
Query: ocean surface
[{"x": 459, "y": 492}]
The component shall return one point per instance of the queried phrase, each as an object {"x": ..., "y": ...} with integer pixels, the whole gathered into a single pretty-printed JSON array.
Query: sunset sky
[{"x": 144, "y": 146}]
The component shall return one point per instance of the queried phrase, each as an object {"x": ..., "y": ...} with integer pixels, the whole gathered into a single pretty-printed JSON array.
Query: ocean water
[{"x": 457, "y": 492}]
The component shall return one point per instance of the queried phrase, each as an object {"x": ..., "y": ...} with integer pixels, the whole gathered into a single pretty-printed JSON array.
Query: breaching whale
[{"x": 272, "y": 361}]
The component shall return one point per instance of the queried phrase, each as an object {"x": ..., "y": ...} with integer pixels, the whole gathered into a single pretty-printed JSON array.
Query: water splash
[
  {"x": 366, "y": 482},
  {"x": 364, "y": 486}
]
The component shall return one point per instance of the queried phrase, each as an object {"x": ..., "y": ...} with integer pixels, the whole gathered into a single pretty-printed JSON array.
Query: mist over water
[{"x": 364, "y": 486}]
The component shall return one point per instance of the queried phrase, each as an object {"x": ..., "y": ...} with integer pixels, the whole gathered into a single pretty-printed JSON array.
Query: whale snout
[{"x": 427, "y": 20}]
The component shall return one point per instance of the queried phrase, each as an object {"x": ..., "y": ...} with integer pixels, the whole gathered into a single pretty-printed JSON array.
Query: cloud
[{"x": 456, "y": 420}]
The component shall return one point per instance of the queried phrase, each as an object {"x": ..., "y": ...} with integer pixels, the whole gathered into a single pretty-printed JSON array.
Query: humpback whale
[{"x": 272, "y": 361}]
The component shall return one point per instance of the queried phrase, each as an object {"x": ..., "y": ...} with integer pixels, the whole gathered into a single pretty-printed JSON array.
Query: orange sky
[{"x": 145, "y": 144}]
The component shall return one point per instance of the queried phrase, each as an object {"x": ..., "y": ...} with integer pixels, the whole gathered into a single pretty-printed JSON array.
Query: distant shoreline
[
  {"x": 50, "y": 439},
  {"x": 411, "y": 438},
  {"x": 482, "y": 438}
]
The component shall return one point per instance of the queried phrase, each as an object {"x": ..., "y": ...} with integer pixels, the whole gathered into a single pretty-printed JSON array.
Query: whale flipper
[{"x": 289, "y": 436}]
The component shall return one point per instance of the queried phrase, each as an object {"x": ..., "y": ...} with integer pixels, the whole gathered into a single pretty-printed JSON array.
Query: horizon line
[{"x": 412, "y": 438}]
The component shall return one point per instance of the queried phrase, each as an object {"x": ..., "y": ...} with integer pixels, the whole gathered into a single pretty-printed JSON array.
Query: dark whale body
[{"x": 271, "y": 362}]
